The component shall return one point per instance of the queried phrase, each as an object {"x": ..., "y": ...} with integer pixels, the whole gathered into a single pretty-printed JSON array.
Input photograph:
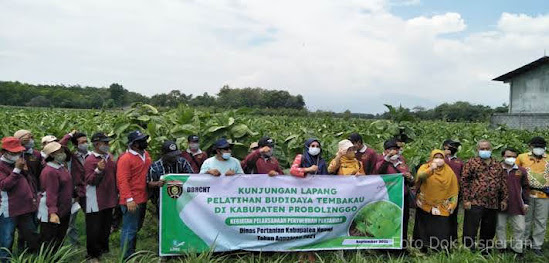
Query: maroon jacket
[
  {"x": 76, "y": 169},
  {"x": 35, "y": 165},
  {"x": 196, "y": 161},
  {"x": 519, "y": 190},
  {"x": 456, "y": 164},
  {"x": 21, "y": 196},
  {"x": 368, "y": 159},
  {"x": 101, "y": 191},
  {"x": 384, "y": 167},
  {"x": 56, "y": 182},
  {"x": 254, "y": 163}
]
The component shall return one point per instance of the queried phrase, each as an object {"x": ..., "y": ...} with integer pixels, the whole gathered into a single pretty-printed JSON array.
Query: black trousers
[
  {"x": 431, "y": 231},
  {"x": 406, "y": 218},
  {"x": 454, "y": 224},
  {"x": 28, "y": 237},
  {"x": 98, "y": 230},
  {"x": 483, "y": 218},
  {"x": 53, "y": 234}
]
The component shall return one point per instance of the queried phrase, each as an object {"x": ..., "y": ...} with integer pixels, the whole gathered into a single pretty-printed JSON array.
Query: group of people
[{"x": 42, "y": 191}]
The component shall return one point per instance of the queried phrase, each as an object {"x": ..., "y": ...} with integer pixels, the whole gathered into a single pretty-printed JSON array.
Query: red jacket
[
  {"x": 256, "y": 164},
  {"x": 21, "y": 198},
  {"x": 131, "y": 177},
  {"x": 101, "y": 192}
]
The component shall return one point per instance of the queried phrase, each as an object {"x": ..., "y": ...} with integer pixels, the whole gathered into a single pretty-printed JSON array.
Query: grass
[{"x": 147, "y": 247}]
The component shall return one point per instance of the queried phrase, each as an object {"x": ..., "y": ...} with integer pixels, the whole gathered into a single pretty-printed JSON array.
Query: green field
[{"x": 243, "y": 127}]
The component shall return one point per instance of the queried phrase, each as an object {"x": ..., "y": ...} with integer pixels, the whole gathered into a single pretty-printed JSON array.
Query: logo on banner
[{"x": 175, "y": 189}]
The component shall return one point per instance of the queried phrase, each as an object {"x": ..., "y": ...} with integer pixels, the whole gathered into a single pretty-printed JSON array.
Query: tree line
[
  {"x": 61, "y": 96},
  {"x": 257, "y": 100}
]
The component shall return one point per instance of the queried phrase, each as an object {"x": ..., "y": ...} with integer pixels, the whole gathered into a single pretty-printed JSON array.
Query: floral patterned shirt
[{"x": 484, "y": 184}]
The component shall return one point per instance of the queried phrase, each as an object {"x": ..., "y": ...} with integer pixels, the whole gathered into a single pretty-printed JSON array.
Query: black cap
[
  {"x": 388, "y": 144},
  {"x": 451, "y": 143},
  {"x": 266, "y": 141},
  {"x": 136, "y": 136},
  {"x": 221, "y": 144},
  {"x": 538, "y": 142},
  {"x": 355, "y": 137},
  {"x": 100, "y": 137},
  {"x": 193, "y": 138},
  {"x": 169, "y": 147}
]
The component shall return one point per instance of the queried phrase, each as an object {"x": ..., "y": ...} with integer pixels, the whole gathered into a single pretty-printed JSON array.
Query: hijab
[{"x": 310, "y": 160}]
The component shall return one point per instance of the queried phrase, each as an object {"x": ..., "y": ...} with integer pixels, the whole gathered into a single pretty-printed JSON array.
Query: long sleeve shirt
[
  {"x": 368, "y": 157},
  {"x": 76, "y": 168},
  {"x": 101, "y": 191},
  {"x": 17, "y": 196},
  {"x": 131, "y": 176},
  {"x": 255, "y": 163},
  {"x": 56, "y": 183},
  {"x": 484, "y": 184},
  {"x": 519, "y": 191}
]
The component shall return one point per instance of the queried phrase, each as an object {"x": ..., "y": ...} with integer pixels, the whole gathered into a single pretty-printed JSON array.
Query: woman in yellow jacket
[
  {"x": 436, "y": 201},
  {"x": 345, "y": 162}
]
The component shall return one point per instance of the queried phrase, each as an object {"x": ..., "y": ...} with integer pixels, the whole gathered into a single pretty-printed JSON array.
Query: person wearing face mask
[
  {"x": 310, "y": 162},
  {"x": 131, "y": 178},
  {"x": 536, "y": 163},
  {"x": 262, "y": 161},
  {"x": 391, "y": 162},
  {"x": 170, "y": 162},
  {"x": 45, "y": 140},
  {"x": 436, "y": 200},
  {"x": 56, "y": 196},
  {"x": 32, "y": 157},
  {"x": 194, "y": 155},
  {"x": 451, "y": 148},
  {"x": 365, "y": 154},
  {"x": 101, "y": 196},
  {"x": 484, "y": 191},
  {"x": 17, "y": 199},
  {"x": 519, "y": 192},
  {"x": 76, "y": 168},
  {"x": 222, "y": 163},
  {"x": 345, "y": 162}
]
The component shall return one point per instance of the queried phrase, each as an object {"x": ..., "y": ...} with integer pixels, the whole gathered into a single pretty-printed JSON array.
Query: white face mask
[
  {"x": 538, "y": 151},
  {"x": 12, "y": 158},
  {"x": 438, "y": 161},
  {"x": 314, "y": 151},
  {"x": 400, "y": 152},
  {"x": 194, "y": 146},
  {"x": 395, "y": 157},
  {"x": 510, "y": 160}
]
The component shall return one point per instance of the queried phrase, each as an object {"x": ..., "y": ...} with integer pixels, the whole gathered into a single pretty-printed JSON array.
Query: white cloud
[
  {"x": 339, "y": 54},
  {"x": 523, "y": 24},
  {"x": 446, "y": 23}
]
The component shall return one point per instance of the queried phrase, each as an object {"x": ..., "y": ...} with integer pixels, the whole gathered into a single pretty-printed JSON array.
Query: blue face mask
[
  {"x": 484, "y": 154},
  {"x": 226, "y": 156}
]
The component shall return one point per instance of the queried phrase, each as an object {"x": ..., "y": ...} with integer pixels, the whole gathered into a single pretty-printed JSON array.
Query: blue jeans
[
  {"x": 131, "y": 224},
  {"x": 7, "y": 229}
]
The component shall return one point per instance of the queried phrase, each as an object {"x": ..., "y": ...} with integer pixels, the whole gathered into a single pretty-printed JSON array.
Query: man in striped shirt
[{"x": 171, "y": 162}]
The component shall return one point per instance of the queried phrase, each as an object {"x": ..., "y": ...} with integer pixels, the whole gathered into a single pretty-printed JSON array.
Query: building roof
[{"x": 523, "y": 69}]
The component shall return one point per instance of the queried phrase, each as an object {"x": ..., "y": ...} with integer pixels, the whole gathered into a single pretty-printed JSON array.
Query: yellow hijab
[{"x": 439, "y": 190}]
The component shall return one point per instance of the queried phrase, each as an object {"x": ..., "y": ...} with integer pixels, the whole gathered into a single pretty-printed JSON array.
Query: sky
[{"x": 338, "y": 54}]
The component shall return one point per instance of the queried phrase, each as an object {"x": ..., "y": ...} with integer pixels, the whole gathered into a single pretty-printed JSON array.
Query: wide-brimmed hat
[
  {"x": 48, "y": 138},
  {"x": 51, "y": 148}
]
